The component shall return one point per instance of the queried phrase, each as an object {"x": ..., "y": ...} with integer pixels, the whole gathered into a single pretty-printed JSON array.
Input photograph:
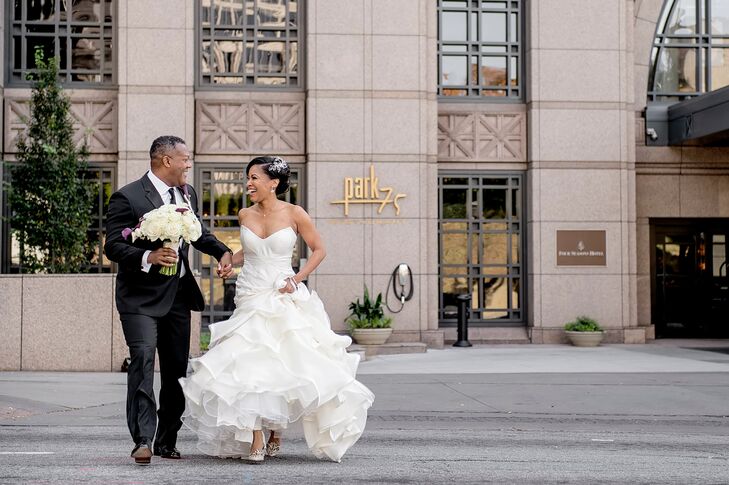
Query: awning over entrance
[{"x": 703, "y": 120}]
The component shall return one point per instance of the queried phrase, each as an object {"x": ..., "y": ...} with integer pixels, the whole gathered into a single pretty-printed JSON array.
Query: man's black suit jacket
[{"x": 150, "y": 293}]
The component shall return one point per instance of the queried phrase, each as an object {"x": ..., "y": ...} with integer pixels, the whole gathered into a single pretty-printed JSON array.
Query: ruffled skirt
[{"x": 275, "y": 362}]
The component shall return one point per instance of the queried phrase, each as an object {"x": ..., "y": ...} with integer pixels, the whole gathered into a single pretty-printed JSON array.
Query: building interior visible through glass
[
  {"x": 480, "y": 246},
  {"x": 479, "y": 48},
  {"x": 79, "y": 29},
  {"x": 247, "y": 42},
  {"x": 691, "y": 51}
]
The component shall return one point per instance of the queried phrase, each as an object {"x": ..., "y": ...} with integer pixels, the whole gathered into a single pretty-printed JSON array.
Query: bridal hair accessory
[{"x": 278, "y": 166}]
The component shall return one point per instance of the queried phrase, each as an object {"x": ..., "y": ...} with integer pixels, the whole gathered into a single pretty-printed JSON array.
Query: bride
[{"x": 276, "y": 360}]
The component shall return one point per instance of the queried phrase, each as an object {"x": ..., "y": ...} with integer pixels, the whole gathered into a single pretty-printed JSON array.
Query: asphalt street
[{"x": 492, "y": 414}]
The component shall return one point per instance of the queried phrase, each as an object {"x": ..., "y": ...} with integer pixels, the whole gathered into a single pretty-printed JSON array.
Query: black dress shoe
[
  {"x": 167, "y": 452},
  {"x": 142, "y": 453}
]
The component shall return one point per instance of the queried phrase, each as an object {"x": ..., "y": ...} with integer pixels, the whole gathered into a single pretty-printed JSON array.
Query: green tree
[{"x": 50, "y": 198}]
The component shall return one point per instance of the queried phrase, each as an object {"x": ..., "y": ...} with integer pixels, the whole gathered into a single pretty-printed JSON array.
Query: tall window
[
  {"x": 222, "y": 191},
  {"x": 252, "y": 43},
  {"x": 104, "y": 183},
  {"x": 79, "y": 33},
  {"x": 480, "y": 48},
  {"x": 481, "y": 241},
  {"x": 690, "y": 52}
]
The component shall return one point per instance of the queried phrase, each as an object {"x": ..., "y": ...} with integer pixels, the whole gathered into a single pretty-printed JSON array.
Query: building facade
[{"x": 500, "y": 149}]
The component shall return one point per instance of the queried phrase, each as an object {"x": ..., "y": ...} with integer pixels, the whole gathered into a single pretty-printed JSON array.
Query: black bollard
[{"x": 464, "y": 303}]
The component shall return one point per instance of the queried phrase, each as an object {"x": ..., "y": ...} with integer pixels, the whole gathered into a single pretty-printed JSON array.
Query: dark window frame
[
  {"x": 701, "y": 42},
  {"x": 470, "y": 47},
  {"x": 59, "y": 30},
  {"x": 250, "y": 32},
  {"x": 473, "y": 271}
]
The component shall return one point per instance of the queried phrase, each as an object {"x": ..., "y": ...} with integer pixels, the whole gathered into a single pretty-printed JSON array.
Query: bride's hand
[{"x": 290, "y": 286}]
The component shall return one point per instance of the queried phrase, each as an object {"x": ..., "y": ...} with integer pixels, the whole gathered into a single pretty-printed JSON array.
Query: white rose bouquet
[{"x": 168, "y": 223}]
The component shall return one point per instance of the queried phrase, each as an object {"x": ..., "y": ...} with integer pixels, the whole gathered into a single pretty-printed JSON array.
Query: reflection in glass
[
  {"x": 453, "y": 26},
  {"x": 258, "y": 38},
  {"x": 682, "y": 19},
  {"x": 493, "y": 71},
  {"x": 493, "y": 27},
  {"x": 454, "y": 204},
  {"x": 454, "y": 249},
  {"x": 453, "y": 70},
  {"x": 494, "y": 249},
  {"x": 676, "y": 70},
  {"x": 719, "y": 67},
  {"x": 719, "y": 17}
]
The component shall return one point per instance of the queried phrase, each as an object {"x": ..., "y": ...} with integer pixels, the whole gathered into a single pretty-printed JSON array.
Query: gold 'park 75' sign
[{"x": 365, "y": 190}]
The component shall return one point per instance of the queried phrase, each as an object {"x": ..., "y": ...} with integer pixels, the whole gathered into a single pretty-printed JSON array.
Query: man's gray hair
[{"x": 163, "y": 145}]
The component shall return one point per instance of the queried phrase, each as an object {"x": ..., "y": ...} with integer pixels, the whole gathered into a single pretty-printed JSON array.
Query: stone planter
[
  {"x": 585, "y": 339},
  {"x": 371, "y": 336}
]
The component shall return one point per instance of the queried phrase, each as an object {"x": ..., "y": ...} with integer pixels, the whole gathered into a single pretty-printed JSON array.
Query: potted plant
[
  {"x": 584, "y": 332},
  {"x": 367, "y": 321}
]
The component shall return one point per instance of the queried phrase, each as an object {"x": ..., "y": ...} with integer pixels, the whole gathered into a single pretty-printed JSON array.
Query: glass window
[
  {"x": 690, "y": 55},
  {"x": 481, "y": 246},
  {"x": 221, "y": 190},
  {"x": 479, "y": 49},
  {"x": 79, "y": 33},
  {"x": 104, "y": 177},
  {"x": 249, "y": 43}
]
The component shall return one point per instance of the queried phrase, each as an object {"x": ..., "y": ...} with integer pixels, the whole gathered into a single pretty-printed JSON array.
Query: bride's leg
[
  {"x": 274, "y": 443},
  {"x": 258, "y": 441}
]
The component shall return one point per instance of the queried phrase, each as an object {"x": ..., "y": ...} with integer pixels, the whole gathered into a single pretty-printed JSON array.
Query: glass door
[{"x": 691, "y": 289}]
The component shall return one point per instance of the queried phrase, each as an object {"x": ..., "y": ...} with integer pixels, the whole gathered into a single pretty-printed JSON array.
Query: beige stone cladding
[
  {"x": 370, "y": 109},
  {"x": 581, "y": 164}
]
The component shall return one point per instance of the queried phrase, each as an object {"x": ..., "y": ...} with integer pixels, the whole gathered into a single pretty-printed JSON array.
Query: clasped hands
[{"x": 168, "y": 257}]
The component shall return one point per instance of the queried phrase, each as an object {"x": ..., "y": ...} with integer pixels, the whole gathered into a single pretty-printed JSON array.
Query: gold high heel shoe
[
  {"x": 256, "y": 456},
  {"x": 272, "y": 447}
]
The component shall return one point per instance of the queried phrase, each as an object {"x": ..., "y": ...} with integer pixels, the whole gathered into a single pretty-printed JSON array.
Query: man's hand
[
  {"x": 163, "y": 257},
  {"x": 225, "y": 266}
]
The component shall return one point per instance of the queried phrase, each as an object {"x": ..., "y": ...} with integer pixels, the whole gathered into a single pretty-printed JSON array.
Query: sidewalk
[{"x": 662, "y": 356}]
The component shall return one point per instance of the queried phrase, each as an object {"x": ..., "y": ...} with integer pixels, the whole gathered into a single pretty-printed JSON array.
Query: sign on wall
[
  {"x": 366, "y": 190},
  {"x": 581, "y": 248}
]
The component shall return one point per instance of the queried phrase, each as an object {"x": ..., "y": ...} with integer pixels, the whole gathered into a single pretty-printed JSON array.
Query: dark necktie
[{"x": 172, "y": 195}]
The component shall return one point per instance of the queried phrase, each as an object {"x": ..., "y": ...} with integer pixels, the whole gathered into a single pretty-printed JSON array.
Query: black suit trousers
[{"x": 170, "y": 336}]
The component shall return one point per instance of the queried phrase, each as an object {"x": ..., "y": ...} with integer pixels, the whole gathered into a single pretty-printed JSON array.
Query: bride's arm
[
  {"x": 238, "y": 258},
  {"x": 313, "y": 240}
]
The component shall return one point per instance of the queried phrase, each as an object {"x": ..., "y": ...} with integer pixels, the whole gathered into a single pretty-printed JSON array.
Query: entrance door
[{"x": 690, "y": 287}]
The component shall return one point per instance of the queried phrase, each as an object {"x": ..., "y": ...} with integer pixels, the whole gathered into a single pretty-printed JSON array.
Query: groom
[{"x": 155, "y": 309}]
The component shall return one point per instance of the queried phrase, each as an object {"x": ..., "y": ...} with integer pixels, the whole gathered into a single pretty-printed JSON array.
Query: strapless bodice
[{"x": 265, "y": 260}]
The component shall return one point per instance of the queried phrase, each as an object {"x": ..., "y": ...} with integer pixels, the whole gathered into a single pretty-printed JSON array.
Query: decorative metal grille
[
  {"x": 79, "y": 34},
  {"x": 252, "y": 43},
  {"x": 222, "y": 191},
  {"x": 481, "y": 246},
  {"x": 690, "y": 52},
  {"x": 480, "y": 48}
]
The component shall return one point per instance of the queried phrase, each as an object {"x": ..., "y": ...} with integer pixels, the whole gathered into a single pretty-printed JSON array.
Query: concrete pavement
[{"x": 490, "y": 414}]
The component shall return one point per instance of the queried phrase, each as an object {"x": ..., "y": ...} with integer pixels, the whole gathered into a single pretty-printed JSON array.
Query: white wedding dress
[{"x": 274, "y": 362}]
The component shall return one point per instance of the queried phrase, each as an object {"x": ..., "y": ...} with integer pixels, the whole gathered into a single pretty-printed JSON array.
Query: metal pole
[{"x": 464, "y": 303}]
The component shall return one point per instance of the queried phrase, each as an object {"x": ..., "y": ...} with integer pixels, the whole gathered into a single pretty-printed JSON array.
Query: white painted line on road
[
  {"x": 602, "y": 441},
  {"x": 27, "y": 453}
]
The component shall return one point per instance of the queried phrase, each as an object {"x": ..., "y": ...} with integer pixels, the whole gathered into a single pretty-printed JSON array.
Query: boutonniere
[{"x": 186, "y": 195}]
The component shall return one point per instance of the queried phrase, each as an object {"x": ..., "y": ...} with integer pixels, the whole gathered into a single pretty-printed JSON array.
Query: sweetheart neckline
[{"x": 264, "y": 238}]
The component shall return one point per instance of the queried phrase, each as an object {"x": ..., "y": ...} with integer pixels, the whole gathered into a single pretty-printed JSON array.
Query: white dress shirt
[{"x": 164, "y": 192}]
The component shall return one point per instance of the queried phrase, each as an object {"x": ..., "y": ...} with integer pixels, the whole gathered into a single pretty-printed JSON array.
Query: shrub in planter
[
  {"x": 584, "y": 332},
  {"x": 367, "y": 321}
]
